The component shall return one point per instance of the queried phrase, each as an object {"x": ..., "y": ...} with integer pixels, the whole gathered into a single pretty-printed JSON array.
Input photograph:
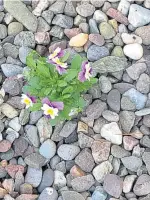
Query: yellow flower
[
  {"x": 50, "y": 111},
  {"x": 26, "y": 100}
]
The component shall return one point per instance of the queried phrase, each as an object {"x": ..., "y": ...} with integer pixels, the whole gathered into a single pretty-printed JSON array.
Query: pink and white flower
[
  {"x": 28, "y": 100},
  {"x": 86, "y": 72},
  {"x": 57, "y": 53}
]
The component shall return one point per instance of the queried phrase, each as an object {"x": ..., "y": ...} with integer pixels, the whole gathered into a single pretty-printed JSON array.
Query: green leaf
[
  {"x": 65, "y": 57},
  {"x": 81, "y": 102},
  {"x": 72, "y": 73},
  {"x": 47, "y": 91},
  {"x": 34, "y": 82},
  {"x": 42, "y": 69},
  {"x": 68, "y": 90},
  {"x": 66, "y": 96},
  {"x": 36, "y": 106},
  {"x": 62, "y": 83},
  {"x": 76, "y": 62}
]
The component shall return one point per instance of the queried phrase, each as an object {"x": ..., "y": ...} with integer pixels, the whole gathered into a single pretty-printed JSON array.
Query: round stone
[
  {"x": 14, "y": 28},
  {"x": 133, "y": 51},
  {"x": 131, "y": 38},
  {"x": 68, "y": 151},
  {"x": 106, "y": 30},
  {"x": 3, "y": 32},
  {"x": 79, "y": 40},
  {"x": 48, "y": 149}
]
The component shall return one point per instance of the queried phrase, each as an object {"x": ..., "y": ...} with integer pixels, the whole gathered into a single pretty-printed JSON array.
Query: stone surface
[
  {"x": 112, "y": 133},
  {"x": 68, "y": 151},
  {"x": 113, "y": 185},
  {"x": 48, "y": 193},
  {"x": 119, "y": 152},
  {"x": 127, "y": 119},
  {"x": 132, "y": 163},
  {"x": 144, "y": 33},
  {"x": 133, "y": 51},
  {"x": 35, "y": 160},
  {"x": 63, "y": 21},
  {"x": 48, "y": 149},
  {"x": 72, "y": 194},
  {"x": 113, "y": 100},
  {"x": 106, "y": 30},
  {"x": 85, "y": 10},
  {"x": 10, "y": 70},
  {"x": 20, "y": 12}
]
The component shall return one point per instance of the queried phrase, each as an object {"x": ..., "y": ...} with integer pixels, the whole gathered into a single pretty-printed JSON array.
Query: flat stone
[
  {"x": 101, "y": 170},
  {"x": 123, "y": 87},
  {"x": 23, "y": 53},
  {"x": 83, "y": 183},
  {"x": 85, "y": 10},
  {"x": 119, "y": 152},
  {"x": 68, "y": 128},
  {"x": 25, "y": 38},
  {"x": 67, "y": 195},
  {"x": 133, "y": 51},
  {"x": 3, "y": 32},
  {"x": 143, "y": 83},
  {"x": 44, "y": 129},
  {"x": 10, "y": 70},
  {"x": 100, "y": 16},
  {"x": 35, "y": 116},
  {"x": 12, "y": 86},
  {"x": 32, "y": 135},
  {"x": 43, "y": 26},
  {"x": 113, "y": 100},
  {"x": 47, "y": 179},
  {"x": 63, "y": 21},
  {"x": 136, "y": 97},
  {"x": 123, "y": 7},
  {"x": 106, "y": 30},
  {"x": 95, "y": 52},
  {"x": 99, "y": 193},
  {"x": 48, "y": 193},
  {"x": 24, "y": 117},
  {"x": 112, "y": 133},
  {"x": 127, "y": 119},
  {"x": 105, "y": 84},
  {"x": 42, "y": 38},
  {"x": 132, "y": 163},
  {"x": 110, "y": 116},
  {"x": 78, "y": 40},
  {"x": 136, "y": 17},
  {"x": 20, "y": 145},
  {"x": 27, "y": 196},
  {"x": 14, "y": 28},
  {"x": 84, "y": 141},
  {"x": 5, "y": 146},
  {"x": 35, "y": 160},
  {"x": 57, "y": 7},
  {"x": 3, "y": 192},
  {"x": 33, "y": 176},
  {"x": 85, "y": 154},
  {"x": 135, "y": 70},
  {"x": 100, "y": 150},
  {"x": 109, "y": 64},
  {"x": 15, "y": 102},
  {"x": 131, "y": 38},
  {"x": 3, "y": 172},
  {"x": 70, "y": 9},
  {"x": 113, "y": 185},
  {"x": 13, "y": 169},
  {"x": 10, "y": 50},
  {"x": 93, "y": 26},
  {"x": 128, "y": 183},
  {"x": 142, "y": 185},
  {"x": 117, "y": 15},
  {"x": 9, "y": 111},
  {"x": 21, "y": 13},
  {"x": 68, "y": 151},
  {"x": 48, "y": 149},
  {"x": 144, "y": 33}
]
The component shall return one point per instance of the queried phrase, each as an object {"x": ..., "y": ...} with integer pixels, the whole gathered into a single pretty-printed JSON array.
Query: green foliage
[{"x": 43, "y": 80}]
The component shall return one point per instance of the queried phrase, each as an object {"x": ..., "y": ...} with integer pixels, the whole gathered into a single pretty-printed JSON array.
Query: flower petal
[
  {"x": 58, "y": 105},
  {"x": 84, "y": 63},
  {"x": 81, "y": 76},
  {"x": 46, "y": 101},
  {"x": 60, "y": 70}
]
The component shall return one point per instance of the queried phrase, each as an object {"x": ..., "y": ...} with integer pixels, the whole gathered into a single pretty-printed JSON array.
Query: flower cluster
[{"x": 71, "y": 85}]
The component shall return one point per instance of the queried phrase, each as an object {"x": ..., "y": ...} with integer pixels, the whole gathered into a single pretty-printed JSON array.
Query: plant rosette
[{"x": 56, "y": 87}]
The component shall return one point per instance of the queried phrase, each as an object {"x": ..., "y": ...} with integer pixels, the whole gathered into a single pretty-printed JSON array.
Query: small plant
[{"x": 56, "y": 87}]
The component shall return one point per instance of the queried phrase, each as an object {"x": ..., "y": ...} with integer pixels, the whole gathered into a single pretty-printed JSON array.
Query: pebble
[
  {"x": 110, "y": 116},
  {"x": 133, "y": 51},
  {"x": 70, "y": 9},
  {"x": 25, "y": 38},
  {"x": 68, "y": 151},
  {"x": 48, "y": 193},
  {"x": 109, "y": 64},
  {"x": 117, "y": 40},
  {"x": 42, "y": 38},
  {"x": 129, "y": 142},
  {"x": 123, "y": 7},
  {"x": 97, "y": 39},
  {"x": 143, "y": 112},
  {"x": 85, "y": 10},
  {"x": 93, "y": 27},
  {"x": 35, "y": 116},
  {"x": 12, "y": 86},
  {"x": 136, "y": 97},
  {"x": 72, "y": 32},
  {"x": 85, "y": 154},
  {"x": 84, "y": 140},
  {"x": 100, "y": 150},
  {"x": 117, "y": 51},
  {"x": 105, "y": 84},
  {"x": 95, "y": 109},
  {"x": 26, "y": 188},
  {"x": 14, "y": 123},
  {"x": 20, "y": 145},
  {"x": 48, "y": 149},
  {"x": 35, "y": 160},
  {"x": 10, "y": 50},
  {"x": 23, "y": 53},
  {"x": 47, "y": 179},
  {"x": 10, "y": 70},
  {"x": 73, "y": 195},
  {"x": 113, "y": 100},
  {"x": 9, "y": 111},
  {"x": 135, "y": 70},
  {"x": 132, "y": 163},
  {"x": 3, "y": 32},
  {"x": 143, "y": 84},
  {"x": 100, "y": 16},
  {"x": 79, "y": 40},
  {"x": 44, "y": 129},
  {"x": 101, "y": 170},
  {"x": 136, "y": 16},
  {"x": 33, "y": 176},
  {"x": 96, "y": 52},
  {"x": 57, "y": 7},
  {"x": 112, "y": 133},
  {"x": 63, "y": 21},
  {"x": 127, "y": 119},
  {"x": 83, "y": 183},
  {"x": 117, "y": 15},
  {"x": 119, "y": 152},
  {"x": 43, "y": 26},
  {"x": 142, "y": 185},
  {"x": 48, "y": 15},
  {"x": 128, "y": 183},
  {"x": 131, "y": 38},
  {"x": 59, "y": 179},
  {"x": 113, "y": 185},
  {"x": 32, "y": 135},
  {"x": 14, "y": 28},
  {"x": 5, "y": 145},
  {"x": 3, "y": 192},
  {"x": 106, "y": 30},
  {"x": 144, "y": 33},
  {"x": 27, "y": 196},
  {"x": 68, "y": 128},
  {"x": 99, "y": 193}
]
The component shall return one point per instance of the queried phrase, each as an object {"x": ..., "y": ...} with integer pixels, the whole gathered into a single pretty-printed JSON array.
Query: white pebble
[
  {"x": 131, "y": 38},
  {"x": 133, "y": 51}
]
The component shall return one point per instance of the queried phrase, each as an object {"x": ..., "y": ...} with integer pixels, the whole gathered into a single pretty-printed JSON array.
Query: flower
[
  {"x": 51, "y": 109},
  {"x": 28, "y": 100},
  {"x": 57, "y": 53},
  {"x": 60, "y": 66},
  {"x": 86, "y": 71}
]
